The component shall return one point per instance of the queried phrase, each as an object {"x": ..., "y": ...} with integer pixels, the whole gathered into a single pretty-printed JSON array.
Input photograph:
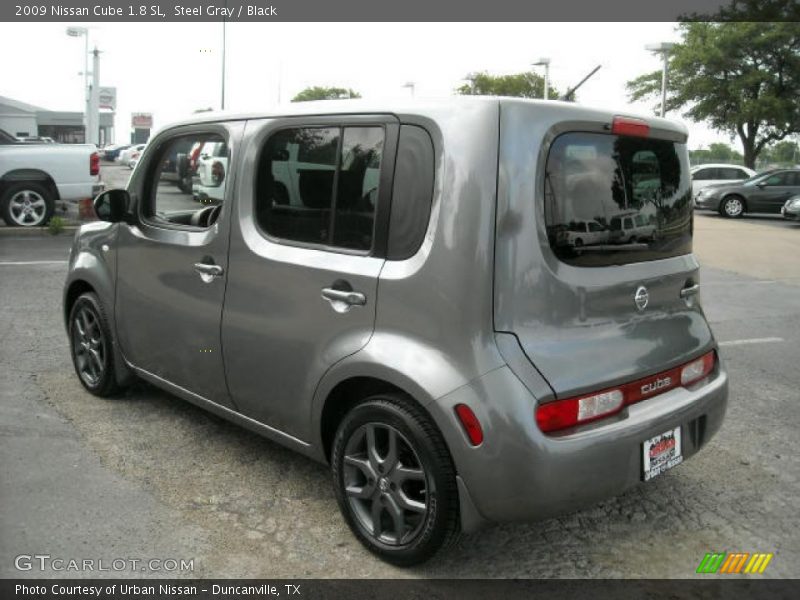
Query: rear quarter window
[{"x": 638, "y": 190}]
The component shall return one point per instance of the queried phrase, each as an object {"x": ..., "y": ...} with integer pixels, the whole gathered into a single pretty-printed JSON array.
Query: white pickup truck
[{"x": 34, "y": 176}]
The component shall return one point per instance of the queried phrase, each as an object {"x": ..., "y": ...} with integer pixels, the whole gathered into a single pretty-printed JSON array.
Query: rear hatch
[{"x": 617, "y": 306}]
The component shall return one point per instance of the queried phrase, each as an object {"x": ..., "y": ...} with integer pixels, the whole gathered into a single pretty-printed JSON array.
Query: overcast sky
[{"x": 172, "y": 69}]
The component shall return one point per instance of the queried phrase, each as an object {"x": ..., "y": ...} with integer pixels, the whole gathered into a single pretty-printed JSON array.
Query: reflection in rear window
[{"x": 616, "y": 199}]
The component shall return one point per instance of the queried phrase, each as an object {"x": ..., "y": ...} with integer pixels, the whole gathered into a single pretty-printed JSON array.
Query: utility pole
[
  {"x": 94, "y": 99},
  {"x": 663, "y": 49},
  {"x": 546, "y": 63}
]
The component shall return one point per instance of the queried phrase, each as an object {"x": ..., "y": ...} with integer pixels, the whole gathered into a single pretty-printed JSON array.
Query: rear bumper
[{"x": 518, "y": 473}]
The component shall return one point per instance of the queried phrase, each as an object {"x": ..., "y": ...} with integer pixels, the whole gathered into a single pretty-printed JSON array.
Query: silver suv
[{"x": 390, "y": 290}]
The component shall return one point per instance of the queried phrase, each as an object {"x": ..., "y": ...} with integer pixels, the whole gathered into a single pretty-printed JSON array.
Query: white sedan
[{"x": 705, "y": 175}]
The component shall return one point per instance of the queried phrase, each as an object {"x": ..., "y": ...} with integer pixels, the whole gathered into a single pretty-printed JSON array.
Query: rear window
[{"x": 613, "y": 200}]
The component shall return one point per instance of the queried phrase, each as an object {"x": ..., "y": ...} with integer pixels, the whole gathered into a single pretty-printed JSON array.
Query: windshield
[{"x": 637, "y": 192}]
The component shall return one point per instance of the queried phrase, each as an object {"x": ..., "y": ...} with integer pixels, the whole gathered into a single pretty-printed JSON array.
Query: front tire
[
  {"x": 27, "y": 204},
  {"x": 394, "y": 480},
  {"x": 91, "y": 346},
  {"x": 732, "y": 207}
]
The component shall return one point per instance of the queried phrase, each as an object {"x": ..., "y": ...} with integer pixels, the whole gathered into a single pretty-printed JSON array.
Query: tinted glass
[
  {"x": 320, "y": 185},
  {"x": 704, "y": 174},
  {"x": 637, "y": 189},
  {"x": 412, "y": 192},
  {"x": 357, "y": 187},
  {"x": 296, "y": 184},
  {"x": 731, "y": 174},
  {"x": 184, "y": 190},
  {"x": 779, "y": 179}
]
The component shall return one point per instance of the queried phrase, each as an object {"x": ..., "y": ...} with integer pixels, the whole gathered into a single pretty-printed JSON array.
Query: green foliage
[
  {"x": 56, "y": 225},
  {"x": 325, "y": 93},
  {"x": 716, "y": 153},
  {"x": 520, "y": 85},
  {"x": 785, "y": 153},
  {"x": 752, "y": 10},
  {"x": 741, "y": 78}
]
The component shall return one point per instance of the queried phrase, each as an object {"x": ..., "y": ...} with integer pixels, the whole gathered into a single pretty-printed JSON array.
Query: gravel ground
[{"x": 147, "y": 475}]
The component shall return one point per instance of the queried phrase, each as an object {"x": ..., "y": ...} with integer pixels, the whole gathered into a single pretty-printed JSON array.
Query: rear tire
[
  {"x": 394, "y": 480},
  {"x": 27, "y": 204},
  {"x": 732, "y": 207},
  {"x": 92, "y": 347}
]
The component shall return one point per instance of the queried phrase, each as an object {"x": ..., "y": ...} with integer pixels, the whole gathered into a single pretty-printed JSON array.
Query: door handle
[
  {"x": 208, "y": 271},
  {"x": 343, "y": 300},
  {"x": 691, "y": 290}
]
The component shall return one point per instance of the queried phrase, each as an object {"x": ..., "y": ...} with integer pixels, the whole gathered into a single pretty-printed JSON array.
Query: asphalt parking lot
[{"x": 149, "y": 476}]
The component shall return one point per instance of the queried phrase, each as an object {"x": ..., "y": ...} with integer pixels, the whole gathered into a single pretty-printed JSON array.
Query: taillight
[
  {"x": 630, "y": 126},
  {"x": 94, "y": 163},
  {"x": 472, "y": 427},
  {"x": 697, "y": 369},
  {"x": 561, "y": 414},
  {"x": 217, "y": 173}
]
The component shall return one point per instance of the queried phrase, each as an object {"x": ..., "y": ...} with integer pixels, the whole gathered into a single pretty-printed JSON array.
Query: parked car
[
  {"x": 422, "y": 332},
  {"x": 630, "y": 228},
  {"x": 584, "y": 233},
  {"x": 110, "y": 153},
  {"x": 764, "y": 193},
  {"x": 124, "y": 157},
  {"x": 34, "y": 176},
  {"x": 717, "y": 173},
  {"x": 212, "y": 164},
  {"x": 791, "y": 210}
]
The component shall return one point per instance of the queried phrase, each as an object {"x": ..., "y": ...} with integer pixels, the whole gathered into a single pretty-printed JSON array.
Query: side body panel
[
  {"x": 168, "y": 317},
  {"x": 279, "y": 333},
  {"x": 433, "y": 329},
  {"x": 66, "y": 164}
]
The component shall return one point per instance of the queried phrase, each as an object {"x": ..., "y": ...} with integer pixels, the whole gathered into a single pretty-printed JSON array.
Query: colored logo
[{"x": 734, "y": 562}]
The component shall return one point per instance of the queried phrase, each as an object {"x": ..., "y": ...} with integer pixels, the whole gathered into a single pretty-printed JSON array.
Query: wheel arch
[
  {"x": 28, "y": 175},
  {"x": 73, "y": 291}
]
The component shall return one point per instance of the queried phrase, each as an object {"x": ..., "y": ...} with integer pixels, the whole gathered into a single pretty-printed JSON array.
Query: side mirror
[
  {"x": 112, "y": 206},
  {"x": 762, "y": 184}
]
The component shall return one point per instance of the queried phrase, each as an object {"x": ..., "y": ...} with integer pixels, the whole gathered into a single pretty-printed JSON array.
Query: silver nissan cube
[{"x": 476, "y": 310}]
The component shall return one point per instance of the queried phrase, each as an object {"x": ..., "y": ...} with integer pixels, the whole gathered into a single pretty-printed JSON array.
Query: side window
[
  {"x": 777, "y": 179},
  {"x": 188, "y": 180},
  {"x": 729, "y": 174},
  {"x": 412, "y": 192},
  {"x": 319, "y": 185},
  {"x": 703, "y": 174}
]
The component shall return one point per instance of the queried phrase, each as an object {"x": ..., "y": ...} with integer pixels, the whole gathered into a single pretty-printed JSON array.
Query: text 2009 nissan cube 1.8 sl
[{"x": 477, "y": 310}]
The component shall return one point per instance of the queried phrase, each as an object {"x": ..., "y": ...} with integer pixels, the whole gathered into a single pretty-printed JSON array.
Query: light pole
[
  {"x": 84, "y": 33},
  {"x": 663, "y": 49},
  {"x": 546, "y": 63},
  {"x": 411, "y": 85}
]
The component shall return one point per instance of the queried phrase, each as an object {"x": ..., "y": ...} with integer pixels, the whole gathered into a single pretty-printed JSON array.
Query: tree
[
  {"x": 716, "y": 152},
  {"x": 743, "y": 78},
  {"x": 783, "y": 153},
  {"x": 520, "y": 85},
  {"x": 325, "y": 93}
]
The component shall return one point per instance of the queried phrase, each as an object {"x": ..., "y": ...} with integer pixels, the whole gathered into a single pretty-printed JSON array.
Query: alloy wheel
[
  {"x": 385, "y": 484},
  {"x": 88, "y": 346},
  {"x": 27, "y": 208},
  {"x": 733, "y": 207}
]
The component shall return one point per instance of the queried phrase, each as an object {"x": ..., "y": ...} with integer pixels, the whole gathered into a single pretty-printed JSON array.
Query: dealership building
[{"x": 22, "y": 120}]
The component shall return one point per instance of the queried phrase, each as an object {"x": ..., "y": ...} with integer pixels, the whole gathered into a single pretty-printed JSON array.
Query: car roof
[
  {"x": 425, "y": 107},
  {"x": 728, "y": 165}
]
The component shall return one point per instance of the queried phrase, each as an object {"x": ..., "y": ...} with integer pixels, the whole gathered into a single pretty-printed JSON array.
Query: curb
[{"x": 42, "y": 231}]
